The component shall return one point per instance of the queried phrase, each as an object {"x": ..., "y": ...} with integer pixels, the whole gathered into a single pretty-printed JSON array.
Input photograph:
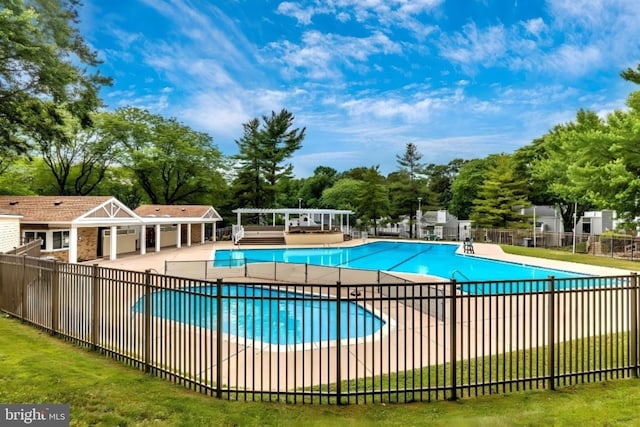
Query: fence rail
[{"x": 339, "y": 343}]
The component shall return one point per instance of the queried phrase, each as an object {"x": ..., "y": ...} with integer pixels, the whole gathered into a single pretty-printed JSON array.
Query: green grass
[
  {"x": 563, "y": 255},
  {"x": 36, "y": 368}
]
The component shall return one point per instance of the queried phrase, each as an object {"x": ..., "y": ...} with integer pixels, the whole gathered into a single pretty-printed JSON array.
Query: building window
[
  {"x": 30, "y": 236},
  {"x": 61, "y": 239}
]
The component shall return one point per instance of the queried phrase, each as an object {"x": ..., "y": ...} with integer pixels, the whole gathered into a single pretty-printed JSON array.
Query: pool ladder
[{"x": 453, "y": 275}]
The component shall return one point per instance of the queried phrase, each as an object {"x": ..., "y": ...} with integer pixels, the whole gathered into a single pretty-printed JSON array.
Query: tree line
[{"x": 57, "y": 138}]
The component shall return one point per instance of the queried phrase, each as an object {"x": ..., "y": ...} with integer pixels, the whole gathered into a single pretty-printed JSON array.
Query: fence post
[
  {"x": 94, "y": 307},
  {"x": 23, "y": 289},
  {"x": 219, "y": 338},
  {"x": 453, "y": 315},
  {"x": 338, "y": 344},
  {"x": 147, "y": 320},
  {"x": 633, "y": 323},
  {"x": 551, "y": 336},
  {"x": 55, "y": 297}
]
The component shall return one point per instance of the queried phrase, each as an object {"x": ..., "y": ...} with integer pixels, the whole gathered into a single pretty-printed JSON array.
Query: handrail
[
  {"x": 238, "y": 235},
  {"x": 453, "y": 274}
]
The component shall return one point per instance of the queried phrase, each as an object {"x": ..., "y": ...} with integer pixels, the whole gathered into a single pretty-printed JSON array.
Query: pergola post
[
  {"x": 143, "y": 239},
  {"x": 113, "y": 243},
  {"x": 157, "y": 234},
  {"x": 73, "y": 244}
]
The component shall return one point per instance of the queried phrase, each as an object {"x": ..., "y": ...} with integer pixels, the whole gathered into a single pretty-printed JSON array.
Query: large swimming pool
[
  {"x": 257, "y": 315},
  {"x": 435, "y": 259}
]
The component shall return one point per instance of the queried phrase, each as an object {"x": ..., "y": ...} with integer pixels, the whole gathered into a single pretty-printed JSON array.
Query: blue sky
[{"x": 463, "y": 78}]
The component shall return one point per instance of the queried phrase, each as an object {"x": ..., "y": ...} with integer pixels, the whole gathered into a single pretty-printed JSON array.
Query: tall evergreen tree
[
  {"x": 372, "y": 197},
  {"x": 500, "y": 196},
  {"x": 407, "y": 191},
  {"x": 248, "y": 185},
  {"x": 264, "y": 149}
]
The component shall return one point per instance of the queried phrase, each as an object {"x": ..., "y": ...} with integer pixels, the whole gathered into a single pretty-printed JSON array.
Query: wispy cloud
[
  {"x": 322, "y": 56},
  {"x": 381, "y": 14},
  {"x": 474, "y": 47}
]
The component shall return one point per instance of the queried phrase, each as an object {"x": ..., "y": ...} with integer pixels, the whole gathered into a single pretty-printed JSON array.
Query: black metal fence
[
  {"x": 610, "y": 245},
  {"x": 336, "y": 343}
]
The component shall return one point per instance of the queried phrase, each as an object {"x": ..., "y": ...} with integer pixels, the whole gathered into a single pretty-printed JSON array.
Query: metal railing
[
  {"x": 338, "y": 344},
  {"x": 242, "y": 267}
]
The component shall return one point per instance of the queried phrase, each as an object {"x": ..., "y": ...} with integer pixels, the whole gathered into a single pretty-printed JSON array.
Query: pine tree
[{"x": 499, "y": 197}]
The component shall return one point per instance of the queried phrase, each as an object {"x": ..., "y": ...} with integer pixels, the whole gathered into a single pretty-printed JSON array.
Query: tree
[
  {"x": 314, "y": 186},
  {"x": 263, "y": 150},
  {"x": 558, "y": 163},
  {"x": 604, "y": 166},
  {"x": 440, "y": 178},
  {"x": 342, "y": 194},
  {"x": 249, "y": 185},
  {"x": 631, "y": 75},
  {"x": 500, "y": 194},
  {"x": 372, "y": 198},
  {"x": 466, "y": 185},
  {"x": 409, "y": 189},
  {"x": 77, "y": 157},
  {"x": 43, "y": 61},
  {"x": 172, "y": 163}
]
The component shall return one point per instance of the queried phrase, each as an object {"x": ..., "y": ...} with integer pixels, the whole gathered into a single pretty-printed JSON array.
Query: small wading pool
[{"x": 257, "y": 316}]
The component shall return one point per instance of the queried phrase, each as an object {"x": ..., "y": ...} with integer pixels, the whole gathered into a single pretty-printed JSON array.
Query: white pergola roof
[{"x": 284, "y": 211}]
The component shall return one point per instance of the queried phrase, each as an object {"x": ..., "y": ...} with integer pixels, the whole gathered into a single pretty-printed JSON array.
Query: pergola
[{"x": 300, "y": 212}]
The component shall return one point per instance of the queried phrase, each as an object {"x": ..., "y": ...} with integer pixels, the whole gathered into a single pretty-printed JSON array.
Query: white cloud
[
  {"x": 303, "y": 15},
  {"x": 321, "y": 56},
  {"x": 535, "y": 26},
  {"x": 574, "y": 60},
  {"x": 387, "y": 14},
  {"x": 475, "y": 47}
]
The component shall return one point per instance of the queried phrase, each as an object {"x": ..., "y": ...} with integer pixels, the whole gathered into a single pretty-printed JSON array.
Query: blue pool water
[
  {"x": 264, "y": 315},
  {"x": 408, "y": 257}
]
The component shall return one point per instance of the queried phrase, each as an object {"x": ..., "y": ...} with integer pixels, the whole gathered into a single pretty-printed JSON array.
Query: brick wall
[{"x": 88, "y": 244}]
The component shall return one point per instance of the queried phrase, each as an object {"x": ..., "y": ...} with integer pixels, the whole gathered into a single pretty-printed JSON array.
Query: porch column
[
  {"x": 178, "y": 235},
  {"x": 286, "y": 222},
  {"x": 113, "y": 243},
  {"x": 157, "y": 237},
  {"x": 73, "y": 245},
  {"x": 202, "y": 226},
  {"x": 143, "y": 239},
  {"x": 189, "y": 235}
]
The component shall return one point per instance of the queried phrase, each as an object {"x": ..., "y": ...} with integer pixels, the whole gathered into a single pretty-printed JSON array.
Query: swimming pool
[
  {"x": 435, "y": 259},
  {"x": 257, "y": 315}
]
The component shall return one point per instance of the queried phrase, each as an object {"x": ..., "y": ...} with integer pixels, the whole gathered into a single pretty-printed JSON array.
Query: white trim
[{"x": 73, "y": 245}]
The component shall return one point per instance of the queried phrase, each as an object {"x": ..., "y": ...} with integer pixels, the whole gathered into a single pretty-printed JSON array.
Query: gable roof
[
  {"x": 90, "y": 211},
  {"x": 44, "y": 209},
  {"x": 67, "y": 210}
]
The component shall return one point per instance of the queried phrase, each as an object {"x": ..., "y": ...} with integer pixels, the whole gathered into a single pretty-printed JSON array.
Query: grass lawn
[
  {"x": 37, "y": 368},
  {"x": 563, "y": 255}
]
